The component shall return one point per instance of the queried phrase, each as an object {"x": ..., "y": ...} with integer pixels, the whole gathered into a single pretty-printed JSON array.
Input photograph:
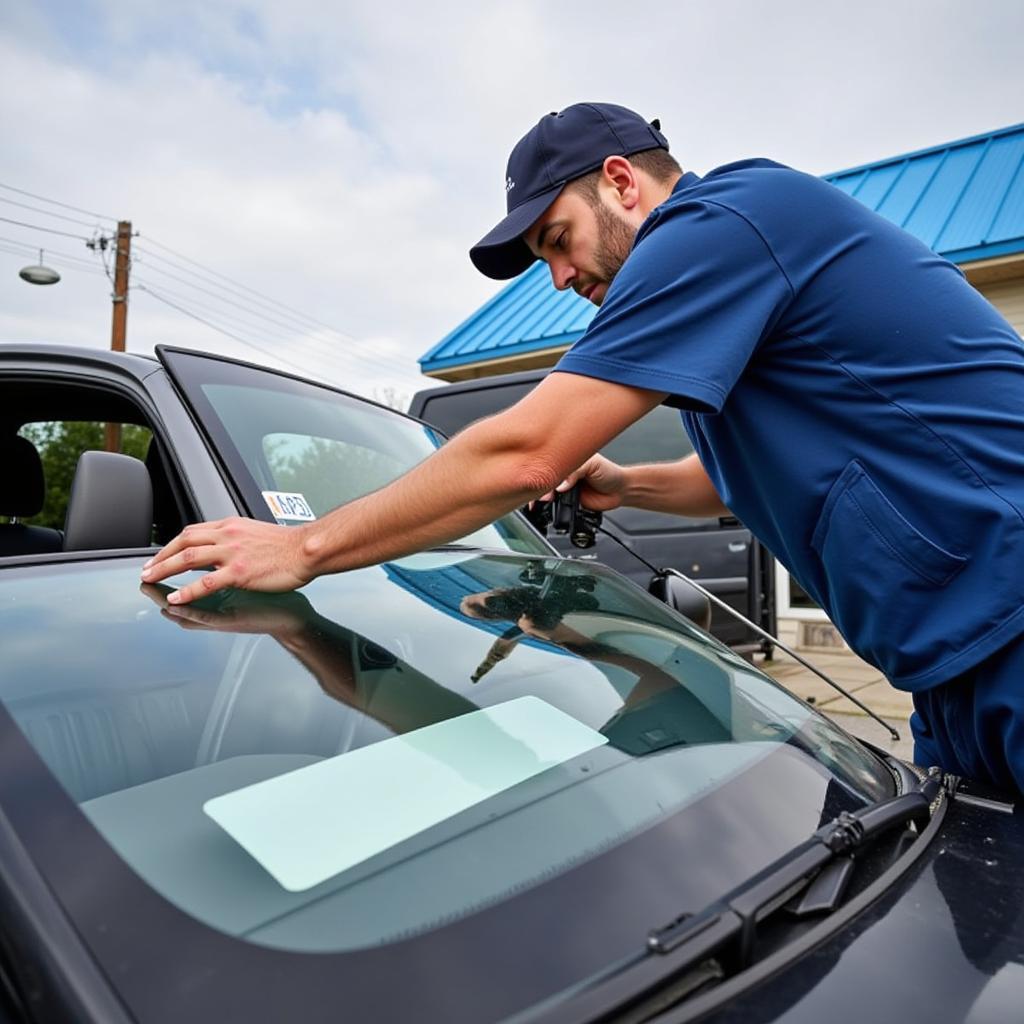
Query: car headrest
[
  {"x": 111, "y": 504},
  {"x": 21, "y": 477}
]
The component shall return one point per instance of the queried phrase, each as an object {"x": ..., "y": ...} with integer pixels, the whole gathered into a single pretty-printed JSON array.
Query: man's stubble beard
[{"x": 616, "y": 236}]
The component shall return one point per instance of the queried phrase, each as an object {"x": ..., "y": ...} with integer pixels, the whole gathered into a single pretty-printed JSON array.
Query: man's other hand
[
  {"x": 602, "y": 484},
  {"x": 242, "y": 553}
]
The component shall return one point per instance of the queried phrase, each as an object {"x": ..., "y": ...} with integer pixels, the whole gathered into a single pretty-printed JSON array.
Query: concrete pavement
[{"x": 859, "y": 678}]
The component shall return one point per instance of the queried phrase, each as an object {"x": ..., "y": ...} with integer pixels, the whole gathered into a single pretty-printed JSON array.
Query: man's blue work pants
[{"x": 973, "y": 725}]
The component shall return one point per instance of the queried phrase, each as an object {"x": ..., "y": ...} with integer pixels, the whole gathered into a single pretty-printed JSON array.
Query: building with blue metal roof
[{"x": 964, "y": 199}]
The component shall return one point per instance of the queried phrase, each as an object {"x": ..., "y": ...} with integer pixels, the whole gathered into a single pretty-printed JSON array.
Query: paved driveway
[{"x": 857, "y": 677}]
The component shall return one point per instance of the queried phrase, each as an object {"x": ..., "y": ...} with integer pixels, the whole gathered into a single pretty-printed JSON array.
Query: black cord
[{"x": 622, "y": 544}]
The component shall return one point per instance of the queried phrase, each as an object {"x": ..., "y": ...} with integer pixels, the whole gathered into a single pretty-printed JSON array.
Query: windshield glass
[
  {"x": 297, "y": 450},
  {"x": 396, "y": 749}
]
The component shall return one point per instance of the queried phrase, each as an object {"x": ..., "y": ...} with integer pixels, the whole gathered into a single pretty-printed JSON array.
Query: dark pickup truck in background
[{"x": 719, "y": 553}]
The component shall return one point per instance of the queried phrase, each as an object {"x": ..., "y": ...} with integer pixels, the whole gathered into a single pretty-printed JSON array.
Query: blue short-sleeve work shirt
[{"x": 856, "y": 403}]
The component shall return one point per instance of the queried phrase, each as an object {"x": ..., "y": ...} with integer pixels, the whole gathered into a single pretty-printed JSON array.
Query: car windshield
[
  {"x": 296, "y": 450},
  {"x": 399, "y": 754}
]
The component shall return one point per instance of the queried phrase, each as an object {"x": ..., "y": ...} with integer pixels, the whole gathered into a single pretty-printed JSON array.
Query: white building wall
[{"x": 1008, "y": 298}]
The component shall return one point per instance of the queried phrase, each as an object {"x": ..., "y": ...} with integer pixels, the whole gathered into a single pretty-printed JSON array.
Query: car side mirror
[{"x": 683, "y": 597}]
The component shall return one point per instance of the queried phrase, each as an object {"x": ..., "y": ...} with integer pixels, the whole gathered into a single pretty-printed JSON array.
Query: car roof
[{"x": 135, "y": 364}]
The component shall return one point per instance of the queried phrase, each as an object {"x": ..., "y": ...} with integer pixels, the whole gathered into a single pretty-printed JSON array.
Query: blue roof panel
[
  {"x": 952, "y": 196},
  {"x": 974, "y": 218},
  {"x": 934, "y": 205},
  {"x": 528, "y": 314},
  {"x": 874, "y": 188},
  {"x": 906, "y": 192},
  {"x": 1009, "y": 222},
  {"x": 964, "y": 199}
]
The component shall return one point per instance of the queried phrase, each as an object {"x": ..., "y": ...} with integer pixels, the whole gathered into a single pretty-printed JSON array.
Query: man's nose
[{"x": 563, "y": 273}]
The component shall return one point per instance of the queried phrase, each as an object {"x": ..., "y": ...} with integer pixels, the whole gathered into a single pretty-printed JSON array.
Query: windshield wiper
[{"x": 822, "y": 863}]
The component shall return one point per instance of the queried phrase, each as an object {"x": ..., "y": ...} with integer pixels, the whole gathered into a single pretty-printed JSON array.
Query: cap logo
[{"x": 509, "y": 185}]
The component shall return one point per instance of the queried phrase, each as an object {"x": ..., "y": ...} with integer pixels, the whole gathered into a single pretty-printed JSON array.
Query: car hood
[{"x": 945, "y": 944}]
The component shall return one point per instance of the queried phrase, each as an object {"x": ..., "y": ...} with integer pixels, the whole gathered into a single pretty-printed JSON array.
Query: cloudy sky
[{"x": 307, "y": 176}]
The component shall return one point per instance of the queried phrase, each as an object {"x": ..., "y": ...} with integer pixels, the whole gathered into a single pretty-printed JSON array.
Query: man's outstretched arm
[{"x": 489, "y": 469}]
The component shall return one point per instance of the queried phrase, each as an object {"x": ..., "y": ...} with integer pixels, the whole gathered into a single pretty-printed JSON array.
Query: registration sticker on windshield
[
  {"x": 289, "y": 507},
  {"x": 310, "y": 824}
]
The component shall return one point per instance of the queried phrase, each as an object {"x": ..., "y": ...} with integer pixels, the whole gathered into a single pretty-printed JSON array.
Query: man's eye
[{"x": 562, "y": 241}]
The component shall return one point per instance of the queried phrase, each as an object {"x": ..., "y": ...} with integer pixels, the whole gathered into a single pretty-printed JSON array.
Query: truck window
[{"x": 658, "y": 437}]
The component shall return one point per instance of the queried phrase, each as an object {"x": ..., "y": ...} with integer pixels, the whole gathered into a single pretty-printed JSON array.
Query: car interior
[{"x": 113, "y": 500}]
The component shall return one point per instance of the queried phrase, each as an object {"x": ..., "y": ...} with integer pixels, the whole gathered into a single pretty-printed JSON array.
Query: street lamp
[
  {"x": 39, "y": 274},
  {"x": 45, "y": 275}
]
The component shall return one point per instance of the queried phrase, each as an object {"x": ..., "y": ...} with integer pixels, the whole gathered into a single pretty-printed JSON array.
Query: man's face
[{"x": 584, "y": 245}]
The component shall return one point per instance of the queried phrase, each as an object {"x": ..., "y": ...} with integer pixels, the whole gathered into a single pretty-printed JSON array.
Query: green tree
[{"x": 59, "y": 444}]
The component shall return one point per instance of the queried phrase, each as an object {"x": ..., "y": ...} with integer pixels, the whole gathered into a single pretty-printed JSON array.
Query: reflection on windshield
[
  {"x": 658, "y": 711},
  {"x": 671, "y": 693}
]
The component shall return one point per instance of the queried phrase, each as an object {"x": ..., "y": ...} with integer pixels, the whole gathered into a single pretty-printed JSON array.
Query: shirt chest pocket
[{"x": 880, "y": 570}]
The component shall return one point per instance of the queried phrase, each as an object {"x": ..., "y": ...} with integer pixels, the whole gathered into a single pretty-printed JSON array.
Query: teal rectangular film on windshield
[{"x": 308, "y": 825}]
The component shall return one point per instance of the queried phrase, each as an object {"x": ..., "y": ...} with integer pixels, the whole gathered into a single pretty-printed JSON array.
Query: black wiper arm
[{"x": 729, "y": 925}]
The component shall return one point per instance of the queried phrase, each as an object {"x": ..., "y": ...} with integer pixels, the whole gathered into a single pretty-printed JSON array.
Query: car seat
[
  {"x": 22, "y": 493},
  {"x": 111, "y": 504}
]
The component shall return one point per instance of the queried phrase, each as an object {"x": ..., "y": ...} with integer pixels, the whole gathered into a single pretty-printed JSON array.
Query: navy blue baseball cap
[{"x": 561, "y": 147}]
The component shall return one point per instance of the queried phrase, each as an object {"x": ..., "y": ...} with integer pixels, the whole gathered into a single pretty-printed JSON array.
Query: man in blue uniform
[{"x": 849, "y": 397}]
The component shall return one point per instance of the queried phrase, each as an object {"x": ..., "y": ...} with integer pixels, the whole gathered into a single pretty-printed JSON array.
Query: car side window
[
  {"x": 60, "y": 443},
  {"x": 46, "y": 424}
]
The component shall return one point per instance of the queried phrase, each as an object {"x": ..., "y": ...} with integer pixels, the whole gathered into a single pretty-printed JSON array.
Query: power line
[
  {"x": 33, "y": 249},
  {"x": 139, "y": 286},
  {"x": 290, "y": 325},
  {"x": 220, "y": 319},
  {"x": 48, "y": 213},
  {"x": 220, "y": 330},
  {"x": 357, "y": 360},
  {"x": 206, "y": 291},
  {"x": 210, "y": 270},
  {"x": 233, "y": 321},
  {"x": 54, "y": 202},
  {"x": 57, "y": 262},
  {"x": 253, "y": 298},
  {"x": 39, "y": 227},
  {"x": 308, "y": 332}
]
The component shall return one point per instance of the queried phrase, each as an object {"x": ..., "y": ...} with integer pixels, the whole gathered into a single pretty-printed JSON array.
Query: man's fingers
[
  {"x": 187, "y": 558},
  {"x": 196, "y": 533},
  {"x": 584, "y": 472},
  {"x": 242, "y": 552},
  {"x": 210, "y": 583}
]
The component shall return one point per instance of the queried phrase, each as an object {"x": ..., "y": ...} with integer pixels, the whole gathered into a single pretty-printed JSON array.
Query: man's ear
[{"x": 620, "y": 178}]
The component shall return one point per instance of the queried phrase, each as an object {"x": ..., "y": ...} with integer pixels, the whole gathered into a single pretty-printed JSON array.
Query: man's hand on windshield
[{"x": 242, "y": 553}]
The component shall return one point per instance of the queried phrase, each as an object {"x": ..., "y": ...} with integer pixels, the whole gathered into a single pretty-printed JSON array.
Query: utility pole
[{"x": 118, "y": 330}]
